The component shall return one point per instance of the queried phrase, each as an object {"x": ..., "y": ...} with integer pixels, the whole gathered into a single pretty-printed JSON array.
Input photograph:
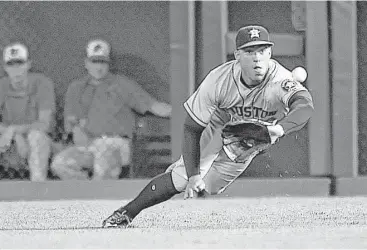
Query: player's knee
[
  {"x": 169, "y": 169},
  {"x": 104, "y": 174},
  {"x": 99, "y": 144},
  {"x": 114, "y": 173},
  {"x": 179, "y": 182},
  {"x": 63, "y": 160},
  {"x": 99, "y": 148},
  {"x": 178, "y": 172},
  {"x": 36, "y": 137},
  {"x": 57, "y": 163},
  {"x": 36, "y": 134},
  {"x": 66, "y": 169}
]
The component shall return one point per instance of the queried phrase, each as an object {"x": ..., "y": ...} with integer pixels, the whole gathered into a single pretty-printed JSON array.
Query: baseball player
[
  {"x": 99, "y": 114},
  {"x": 27, "y": 105},
  {"x": 253, "y": 87}
]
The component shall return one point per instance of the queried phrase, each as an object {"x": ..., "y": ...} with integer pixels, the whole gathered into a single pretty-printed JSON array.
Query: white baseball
[{"x": 299, "y": 74}]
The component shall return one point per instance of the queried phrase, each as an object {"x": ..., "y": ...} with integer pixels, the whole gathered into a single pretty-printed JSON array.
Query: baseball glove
[{"x": 244, "y": 139}]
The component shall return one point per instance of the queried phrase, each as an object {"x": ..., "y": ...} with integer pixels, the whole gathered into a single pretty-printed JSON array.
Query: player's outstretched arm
[
  {"x": 300, "y": 111},
  {"x": 191, "y": 156}
]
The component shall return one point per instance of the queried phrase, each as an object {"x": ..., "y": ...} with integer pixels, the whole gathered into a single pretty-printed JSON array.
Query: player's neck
[
  {"x": 20, "y": 85},
  {"x": 249, "y": 83},
  {"x": 96, "y": 82}
]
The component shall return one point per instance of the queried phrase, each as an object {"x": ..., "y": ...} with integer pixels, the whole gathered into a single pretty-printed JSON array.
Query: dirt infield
[{"x": 285, "y": 222}]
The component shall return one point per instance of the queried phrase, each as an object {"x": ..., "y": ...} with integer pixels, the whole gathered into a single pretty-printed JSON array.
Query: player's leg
[
  {"x": 13, "y": 162},
  {"x": 39, "y": 154},
  {"x": 22, "y": 148},
  {"x": 161, "y": 188},
  {"x": 218, "y": 172},
  {"x": 224, "y": 172},
  {"x": 110, "y": 154},
  {"x": 72, "y": 163}
]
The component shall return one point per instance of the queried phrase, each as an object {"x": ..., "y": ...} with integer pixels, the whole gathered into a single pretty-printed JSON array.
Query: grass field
[{"x": 285, "y": 222}]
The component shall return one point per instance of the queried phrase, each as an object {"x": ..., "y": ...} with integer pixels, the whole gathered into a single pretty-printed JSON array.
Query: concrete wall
[
  {"x": 128, "y": 189},
  {"x": 57, "y": 32},
  {"x": 362, "y": 84}
]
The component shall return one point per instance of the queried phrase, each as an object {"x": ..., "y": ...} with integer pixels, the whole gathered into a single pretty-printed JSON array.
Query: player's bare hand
[
  {"x": 6, "y": 139},
  {"x": 83, "y": 123},
  {"x": 275, "y": 132},
  {"x": 70, "y": 122},
  {"x": 196, "y": 184},
  {"x": 161, "y": 109}
]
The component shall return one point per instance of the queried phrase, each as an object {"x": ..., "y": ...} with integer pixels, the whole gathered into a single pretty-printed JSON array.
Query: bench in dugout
[{"x": 151, "y": 152}]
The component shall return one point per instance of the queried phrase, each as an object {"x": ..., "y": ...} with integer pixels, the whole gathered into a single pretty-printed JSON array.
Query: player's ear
[
  {"x": 86, "y": 62},
  {"x": 29, "y": 64},
  {"x": 236, "y": 54},
  {"x": 270, "y": 51}
]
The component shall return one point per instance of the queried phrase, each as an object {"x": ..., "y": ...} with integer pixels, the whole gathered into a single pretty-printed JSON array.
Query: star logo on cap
[
  {"x": 13, "y": 52},
  {"x": 97, "y": 48},
  {"x": 254, "y": 33}
]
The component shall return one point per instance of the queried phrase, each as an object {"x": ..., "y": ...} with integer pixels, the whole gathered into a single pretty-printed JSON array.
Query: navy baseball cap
[{"x": 251, "y": 36}]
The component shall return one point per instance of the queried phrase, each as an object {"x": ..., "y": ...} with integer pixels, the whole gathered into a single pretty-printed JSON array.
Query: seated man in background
[
  {"x": 99, "y": 114},
  {"x": 27, "y": 105}
]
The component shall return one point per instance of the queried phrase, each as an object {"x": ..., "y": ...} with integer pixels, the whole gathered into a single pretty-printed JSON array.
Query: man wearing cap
[
  {"x": 99, "y": 114},
  {"x": 251, "y": 87},
  {"x": 27, "y": 105}
]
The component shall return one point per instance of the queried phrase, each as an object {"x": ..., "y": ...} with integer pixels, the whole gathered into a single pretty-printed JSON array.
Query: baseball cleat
[{"x": 119, "y": 218}]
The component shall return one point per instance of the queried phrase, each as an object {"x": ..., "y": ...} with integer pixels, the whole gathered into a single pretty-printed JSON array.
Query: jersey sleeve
[
  {"x": 203, "y": 102},
  {"x": 134, "y": 95},
  {"x": 288, "y": 88}
]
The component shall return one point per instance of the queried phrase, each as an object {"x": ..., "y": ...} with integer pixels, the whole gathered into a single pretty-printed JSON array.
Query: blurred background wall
[
  {"x": 362, "y": 85},
  {"x": 57, "y": 33}
]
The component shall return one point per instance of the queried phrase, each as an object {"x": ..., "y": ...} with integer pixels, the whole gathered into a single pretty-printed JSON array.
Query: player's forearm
[
  {"x": 42, "y": 124},
  {"x": 191, "y": 152},
  {"x": 301, "y": 110},
  {"x": 161, "y": 109},
  {"x": 191, "y": 147}
]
